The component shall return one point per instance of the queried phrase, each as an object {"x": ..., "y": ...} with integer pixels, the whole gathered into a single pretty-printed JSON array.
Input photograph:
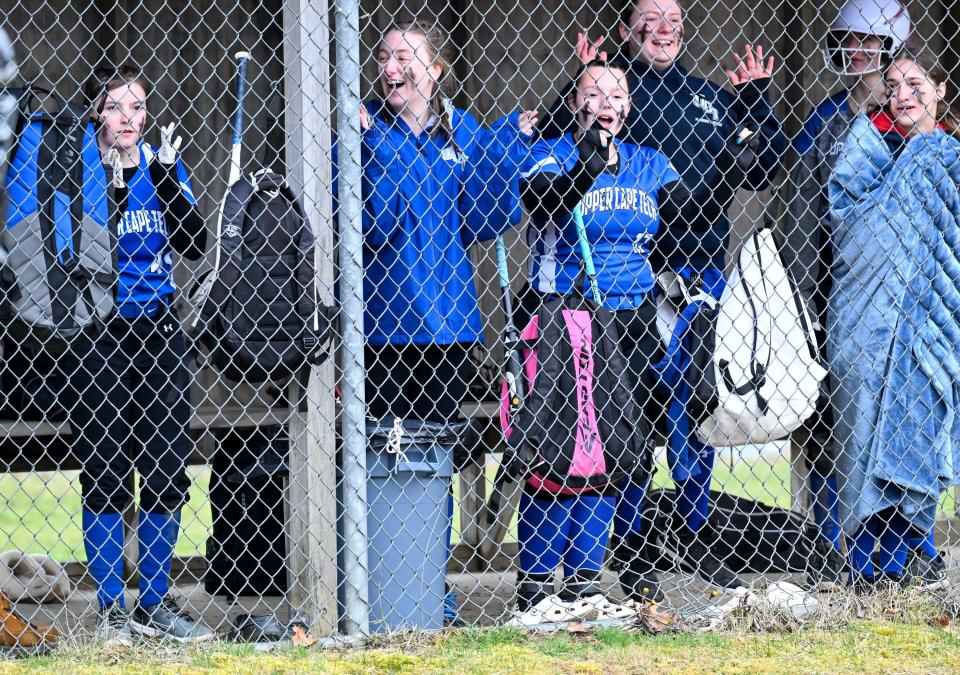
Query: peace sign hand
[
  {"x": 588, "y": 51},
  {"x": 168, "y": 147},
  {"x": 750, "y": 66}
]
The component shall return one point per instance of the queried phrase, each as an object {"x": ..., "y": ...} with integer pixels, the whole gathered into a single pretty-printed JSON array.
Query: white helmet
[{"x": 886, "y": 19}]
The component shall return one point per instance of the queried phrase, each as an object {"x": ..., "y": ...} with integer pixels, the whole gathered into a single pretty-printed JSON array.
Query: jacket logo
[
  {"x": 450, "y": 154},
  {"x": 710, "y": 113}
]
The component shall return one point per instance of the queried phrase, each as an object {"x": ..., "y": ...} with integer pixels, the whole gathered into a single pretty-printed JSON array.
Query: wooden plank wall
[{"x": 509, "y": 55}]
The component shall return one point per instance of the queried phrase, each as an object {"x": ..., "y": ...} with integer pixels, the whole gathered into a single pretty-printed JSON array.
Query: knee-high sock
[
  {"x": 894, "y": 535},
  {"x": 628, "y": 517},
  {"x": 542, "y": 532},
  {"x": 590, "y": 518},
  {"x": 826, "y": 507},
  {"x": 103, "y": 542},
  {"x": 157, "y": 533},
  {"x": 926, "y": 543},
  {"x": 860, "y": 549},
  {"x": 693, "y": 494}
]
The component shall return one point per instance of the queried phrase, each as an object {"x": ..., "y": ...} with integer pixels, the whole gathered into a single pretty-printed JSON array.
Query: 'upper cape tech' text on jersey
[{"x": 620, "y": 216}]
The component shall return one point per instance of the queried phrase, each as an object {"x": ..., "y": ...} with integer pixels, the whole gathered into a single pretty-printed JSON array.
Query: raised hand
[
  {"x": 588, "y": 51},
  {"x": 364, "y": 118},
  {"x": 750, "y": 66},
  {"x": 528, "y": 121},
  {"x": 168, "y": 147},
  {"x": 594, "y": 150},
  {"x": 113, "y": 159}
]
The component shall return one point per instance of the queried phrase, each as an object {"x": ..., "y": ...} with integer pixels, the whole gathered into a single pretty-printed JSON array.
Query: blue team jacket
[{"x": 426, "y": 200}]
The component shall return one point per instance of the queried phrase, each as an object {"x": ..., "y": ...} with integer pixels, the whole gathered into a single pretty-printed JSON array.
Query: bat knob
[{"x": 241, "y": 55}]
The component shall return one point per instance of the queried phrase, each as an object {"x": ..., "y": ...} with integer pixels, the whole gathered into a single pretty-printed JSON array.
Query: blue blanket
[{"x": 894, "y": 324}]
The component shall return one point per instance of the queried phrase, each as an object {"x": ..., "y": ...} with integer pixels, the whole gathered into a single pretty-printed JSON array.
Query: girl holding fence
[{"x": 434, "y": 183}]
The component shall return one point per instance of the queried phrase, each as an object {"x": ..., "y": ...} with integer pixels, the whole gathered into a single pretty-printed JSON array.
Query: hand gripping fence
[{"x": 260, "y": 381}]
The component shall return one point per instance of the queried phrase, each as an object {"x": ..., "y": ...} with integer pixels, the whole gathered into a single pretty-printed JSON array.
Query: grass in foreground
[{"x": 863, "y": 646}]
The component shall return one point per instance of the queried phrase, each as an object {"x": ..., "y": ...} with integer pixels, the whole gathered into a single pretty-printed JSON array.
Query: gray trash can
[{"x": 409, "y": 468}]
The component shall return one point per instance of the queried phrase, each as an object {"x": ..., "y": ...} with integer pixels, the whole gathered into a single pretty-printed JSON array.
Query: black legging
[{"x": 425, "y": 382}]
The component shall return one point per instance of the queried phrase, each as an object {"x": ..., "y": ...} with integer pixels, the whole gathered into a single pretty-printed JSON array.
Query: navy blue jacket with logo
[{"x": 689, "y": 119}]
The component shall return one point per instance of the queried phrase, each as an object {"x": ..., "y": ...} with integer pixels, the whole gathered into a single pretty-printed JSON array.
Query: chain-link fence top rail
[{"x": 269, "y": 510}]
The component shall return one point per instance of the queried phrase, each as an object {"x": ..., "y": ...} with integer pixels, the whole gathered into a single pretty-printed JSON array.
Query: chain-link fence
[{"x": 585, "y": 309}]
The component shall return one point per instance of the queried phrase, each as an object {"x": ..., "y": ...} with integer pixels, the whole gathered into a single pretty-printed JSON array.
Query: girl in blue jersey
[
  {"x": 130, "y": 407},
  {"x": 689, "y": 119},
  {"x": 624, "y": 190}
]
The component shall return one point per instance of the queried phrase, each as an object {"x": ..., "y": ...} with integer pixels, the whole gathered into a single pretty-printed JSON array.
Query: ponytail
[{"x": 948, "y": 118}]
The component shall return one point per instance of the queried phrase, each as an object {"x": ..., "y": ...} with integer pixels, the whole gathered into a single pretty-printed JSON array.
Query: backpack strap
[
  {"x": 72, "y": 157},
  {"x": 233, "y": 214},
  {"x": 53, "y": 176},
  {"x": 532, "y": 420}
]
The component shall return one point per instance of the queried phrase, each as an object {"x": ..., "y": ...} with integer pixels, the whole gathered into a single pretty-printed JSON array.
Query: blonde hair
[{"x": 436, "y": 41}]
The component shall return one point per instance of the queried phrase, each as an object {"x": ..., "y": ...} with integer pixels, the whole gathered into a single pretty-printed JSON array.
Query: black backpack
[
  {"x": 257, "y": 312},
  {"x": 751, "y": 537},
  {"x": 578, "y": 426}
]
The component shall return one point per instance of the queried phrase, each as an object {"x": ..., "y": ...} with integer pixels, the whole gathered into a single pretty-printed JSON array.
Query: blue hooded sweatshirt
[{"x": 426, "y": 200}]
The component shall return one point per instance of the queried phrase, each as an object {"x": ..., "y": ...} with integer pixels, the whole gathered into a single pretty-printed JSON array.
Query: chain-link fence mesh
[{"x": 584, "y": 308}]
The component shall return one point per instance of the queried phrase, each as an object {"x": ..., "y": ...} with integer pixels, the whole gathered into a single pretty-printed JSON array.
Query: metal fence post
[{"x": 347, "y": 75}]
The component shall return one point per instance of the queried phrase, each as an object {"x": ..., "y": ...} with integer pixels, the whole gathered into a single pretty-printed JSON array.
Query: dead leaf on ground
[
  {"x": 657, "y": 619},
  {"x": 301, "y": 638},
  {"x": 577, "y": 628},
  {"x": 942, "y": 621}
]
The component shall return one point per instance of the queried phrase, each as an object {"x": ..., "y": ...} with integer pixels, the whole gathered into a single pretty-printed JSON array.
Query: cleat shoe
[
  {"x": 168, "y": 620},
  {"x": 113, "y": 626},
  {"x": 825, "y": 568},
  {"x": 925, "y": 572},
  {"x": 638, "y": 578},
  {"x": 697, "y": 554},
  {"x": 551, "y": 610}
]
